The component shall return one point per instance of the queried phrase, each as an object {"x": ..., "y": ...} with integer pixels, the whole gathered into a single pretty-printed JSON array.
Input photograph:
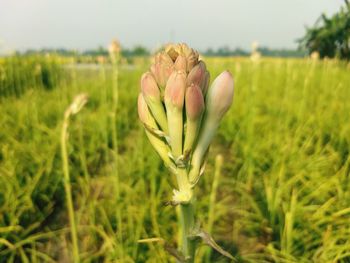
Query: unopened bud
[
  {"x": 194, "y": 109},
  {"x": 149, "y": 86},
  {"x": 220, "y": 95},
  {"x": 180, "y": 63},
  {"x": 174, "y": 101},
  {"x": 191, "y": 56},
  {"x": 144, "y": 113},
  {"x": 174, "y": 50},
  {"x": 114, "y": 50},
  {"x": 197, "y": 75},
  {"x": 162, "y": 69},
  {"x": 192, "y": 60},
  {"x": 151, "y": 94},
  {"x": 114, "y": 47},
  {"x": 194, "y": 102},
  {"x": 147, "y": 119},
  {"x": 175, "y": 90},
  {"x": 218, "y": 101}
]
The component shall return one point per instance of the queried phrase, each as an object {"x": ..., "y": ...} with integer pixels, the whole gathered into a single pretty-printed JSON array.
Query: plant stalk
[
  {"x": 188, "y": 246},
  {"x": 115, "y": 98},
  {"x": 68, "y": 190},
  {"x": 186, "y": 220}
]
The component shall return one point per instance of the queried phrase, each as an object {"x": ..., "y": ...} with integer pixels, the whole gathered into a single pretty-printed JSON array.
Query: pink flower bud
[
  {"x": 194, "y": 110},
  {"x": 192, "y": 60},
  {"x": 194, "y": 102},
  {"x": 175, "y": 89},
  {"x": 162, "y": 68},
  {"x": 151, "y": 94},
  {"x": 174, "y": 101},
  {"x": 218, "y": 101},
  {"x": 191, "y": 56},
  {"x": 197, "y": 75},
  {"x": 174, "y": 50},
  {"x": 220, "y": 95},
  {"x": 149, "y": 86},
  {"x": 180, "y": 63},
  {"x": 153, "y": 69},
  {"x": 165, "y": 59}
]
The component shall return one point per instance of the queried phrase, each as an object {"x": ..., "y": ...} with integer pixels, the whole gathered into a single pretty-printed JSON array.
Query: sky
[{"x": 86, "y": 24}]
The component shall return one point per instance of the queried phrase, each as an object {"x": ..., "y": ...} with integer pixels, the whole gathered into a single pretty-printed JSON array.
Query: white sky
[{"x": 83, "y": 24}]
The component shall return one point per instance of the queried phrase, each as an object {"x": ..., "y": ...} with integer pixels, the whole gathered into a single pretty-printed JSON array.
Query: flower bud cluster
[
  {"x": 179, "y": 110},
  {"x": 114, "y": 50}
]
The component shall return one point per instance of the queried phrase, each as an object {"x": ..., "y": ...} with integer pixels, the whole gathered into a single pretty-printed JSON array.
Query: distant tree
[
  {"x": 225, "y": 51},
  {"x": 136, "y": 51},
  {"x": 209, "y": 52},
  {"x": 267, "y": 52},
  {"x": 330, "y": 37},
  {"x": 100, "y": 51},
  {"x": 43, "y": 51},
  {"x": 140, "y": 51}
]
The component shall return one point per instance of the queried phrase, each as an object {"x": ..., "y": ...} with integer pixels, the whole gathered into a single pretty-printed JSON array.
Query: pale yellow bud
[{"x": 218, "y": 101}]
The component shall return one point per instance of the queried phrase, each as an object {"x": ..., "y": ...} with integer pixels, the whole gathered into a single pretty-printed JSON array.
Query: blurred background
[
  {"x": 208, "y": 26},
  {"x": 282, "y": 191}
]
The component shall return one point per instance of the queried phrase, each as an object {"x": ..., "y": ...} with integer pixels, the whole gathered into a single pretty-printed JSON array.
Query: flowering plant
[{"x": 181, "y": 114}]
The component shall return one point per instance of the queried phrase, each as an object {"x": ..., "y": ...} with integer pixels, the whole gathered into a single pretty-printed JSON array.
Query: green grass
[
  {"x": 21, "y": 73},
  {"x": 283, "y": 193}
]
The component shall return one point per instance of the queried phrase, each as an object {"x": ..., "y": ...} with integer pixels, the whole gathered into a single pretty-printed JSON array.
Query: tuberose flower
[{"x": 177, "y": 103}]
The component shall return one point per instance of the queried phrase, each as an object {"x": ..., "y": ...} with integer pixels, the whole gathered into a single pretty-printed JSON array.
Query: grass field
[{"x": 282, "y": 195}]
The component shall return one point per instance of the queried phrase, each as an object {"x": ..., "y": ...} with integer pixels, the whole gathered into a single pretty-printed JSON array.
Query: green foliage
[
  {"x": 21, "y": 73},
  {"x": 225, "y": 52},
  {"x": 330, "y": 37},
  {"x": 283, "y": 194},
  {"x": 136, "y": 51},
  {"x": 265, "y": 51}
]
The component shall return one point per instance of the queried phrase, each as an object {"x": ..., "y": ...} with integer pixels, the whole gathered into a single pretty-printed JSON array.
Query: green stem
[
  {"x": 68, "y": 190},
  {"x": 115, "y": 97},
  {"x": 188, "y": 246},
  {"x": 212, "y": 202},
  {"x": 186, "y": 219}
]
